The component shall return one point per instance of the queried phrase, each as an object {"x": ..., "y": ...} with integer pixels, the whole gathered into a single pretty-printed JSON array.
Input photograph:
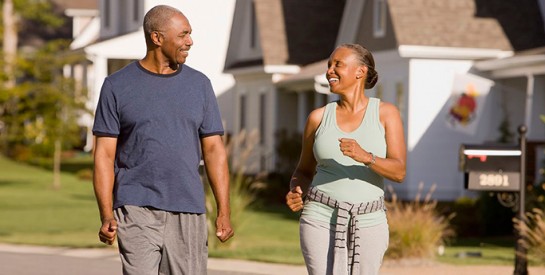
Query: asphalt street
[{"x": 35, "y": 260}]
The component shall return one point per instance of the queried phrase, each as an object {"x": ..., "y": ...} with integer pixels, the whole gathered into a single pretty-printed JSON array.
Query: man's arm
[
  {"x": 103, "y": 183},
  {"x": 215, "y": 163}
]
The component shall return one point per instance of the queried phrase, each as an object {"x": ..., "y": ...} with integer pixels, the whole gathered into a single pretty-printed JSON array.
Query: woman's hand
[
  {"x": 350, "y": 148},
  {"x": 294, "y": 199}
]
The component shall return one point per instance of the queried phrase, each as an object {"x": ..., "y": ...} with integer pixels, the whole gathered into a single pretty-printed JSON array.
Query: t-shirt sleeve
[
  {"x": 106, "y": 116},
  {"x": 212, "y": 124}
]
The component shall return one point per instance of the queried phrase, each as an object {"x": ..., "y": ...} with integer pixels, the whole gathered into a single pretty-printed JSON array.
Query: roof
[
  {"x": 297, "y": 32},
  {"x": 445, "y": 23},
  {"x": 79, "y": 4}
]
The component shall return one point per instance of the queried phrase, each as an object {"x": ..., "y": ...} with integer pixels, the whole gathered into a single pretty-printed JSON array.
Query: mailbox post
[
  {"x": 499, "y": 168},
  {"x": 521, "y": 263}
]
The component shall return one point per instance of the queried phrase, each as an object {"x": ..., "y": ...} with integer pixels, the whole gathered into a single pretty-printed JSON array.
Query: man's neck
[{"x": 154, "y": 65}]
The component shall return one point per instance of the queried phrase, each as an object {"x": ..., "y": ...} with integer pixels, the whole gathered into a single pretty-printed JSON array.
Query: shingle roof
[
  {"x": 297, "y": 32},
  {"x": 445, "y": 23},
  {"x": 79, "y": 4}
]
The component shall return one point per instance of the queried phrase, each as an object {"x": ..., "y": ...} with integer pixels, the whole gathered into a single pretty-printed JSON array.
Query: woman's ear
[{"x": 362, "y": 71}]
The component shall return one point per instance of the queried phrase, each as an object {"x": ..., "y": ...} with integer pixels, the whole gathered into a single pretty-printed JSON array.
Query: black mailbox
[{"x": 491, "y": 167}]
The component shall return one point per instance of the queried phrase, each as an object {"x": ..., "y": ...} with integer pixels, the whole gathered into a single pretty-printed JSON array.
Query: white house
[
  {"x": 112, "y": 36},
  {"x": 427, "y": 53}
]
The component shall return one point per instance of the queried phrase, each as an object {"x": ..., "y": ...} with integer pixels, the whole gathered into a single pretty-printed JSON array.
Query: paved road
[{"x": 35, "y": 260}]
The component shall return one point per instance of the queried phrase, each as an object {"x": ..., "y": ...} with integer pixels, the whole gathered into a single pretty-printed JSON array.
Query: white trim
[
  {"x": 518, "y": 71},
  {"x": 529, "y": 98},
  {"x": 282, "y": 69},
  {"x": 81, "y": 12},
  {"x": 414, "y": 51},
  {"x": 476, "y": 152},
  {"x": 116, "y": 48},
  {"x": 321, "y": 85},
  {"x": 510, "y": 62},
  {"x": 88, "y": 35}
]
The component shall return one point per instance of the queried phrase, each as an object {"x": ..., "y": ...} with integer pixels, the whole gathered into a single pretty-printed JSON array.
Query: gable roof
[
  {"x": 297, "y": 32},
  {"x": 445, "y": 23}
]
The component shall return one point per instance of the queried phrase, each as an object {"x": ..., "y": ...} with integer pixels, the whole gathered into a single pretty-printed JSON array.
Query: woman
[{"x": 349, "y": 146}]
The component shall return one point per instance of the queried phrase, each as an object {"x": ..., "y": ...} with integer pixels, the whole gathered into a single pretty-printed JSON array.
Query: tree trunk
[
  {"x": 10, "y": 42},
  {"x": 57, "y": 165}
]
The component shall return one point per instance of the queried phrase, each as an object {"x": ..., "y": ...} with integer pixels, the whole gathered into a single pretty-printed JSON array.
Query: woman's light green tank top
[{"x": 341, "y": 177}]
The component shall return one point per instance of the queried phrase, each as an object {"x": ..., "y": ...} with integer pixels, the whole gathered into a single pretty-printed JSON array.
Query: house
[
  {"x": 429, "y": 53},
  {"x": 110, "y": 35}
]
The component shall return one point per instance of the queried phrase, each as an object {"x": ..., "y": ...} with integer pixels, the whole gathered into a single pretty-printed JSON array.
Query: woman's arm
[
  {"x": 304, "y": 172},
  {"x": 392, "y": 166}
]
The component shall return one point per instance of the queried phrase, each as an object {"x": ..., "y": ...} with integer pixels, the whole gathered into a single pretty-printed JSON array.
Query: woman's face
[
  {"x": 177, "y": 40},
  {"x": 344, "y": 71}
]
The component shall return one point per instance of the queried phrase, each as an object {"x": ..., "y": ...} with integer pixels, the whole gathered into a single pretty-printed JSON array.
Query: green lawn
[{"x": 32, "y": 212}]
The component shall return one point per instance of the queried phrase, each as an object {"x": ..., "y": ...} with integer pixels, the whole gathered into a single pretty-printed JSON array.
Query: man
[{"x": 154, "y": 120}]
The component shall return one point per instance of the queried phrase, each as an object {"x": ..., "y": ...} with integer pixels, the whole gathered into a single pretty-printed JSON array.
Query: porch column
[
  {"x": 529, "y": 98},
  {"x": 318, "y": 100},
  {"x": 302, "y": 102}
]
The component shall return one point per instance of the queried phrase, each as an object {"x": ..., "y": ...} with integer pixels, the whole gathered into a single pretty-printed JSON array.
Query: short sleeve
[
  {"x": 212, "y": 124},
  {"x": 106, "y": 116}
]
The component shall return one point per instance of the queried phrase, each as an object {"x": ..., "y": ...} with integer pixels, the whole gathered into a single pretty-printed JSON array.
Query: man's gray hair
[{"x": 157, "y": 18}]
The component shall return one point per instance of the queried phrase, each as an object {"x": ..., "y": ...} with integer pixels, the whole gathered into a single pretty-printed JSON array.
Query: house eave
[
  {"x": 515, "y": 66},
  {"x": 431, "y": 52}
]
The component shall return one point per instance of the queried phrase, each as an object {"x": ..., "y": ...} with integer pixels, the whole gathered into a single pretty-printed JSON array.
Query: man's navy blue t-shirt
[{"x": 158, "y": 121}]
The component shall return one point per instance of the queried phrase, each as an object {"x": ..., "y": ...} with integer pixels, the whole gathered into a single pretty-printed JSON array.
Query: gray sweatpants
[
  {"x": 318, "y": 241},
  {"x": 153, "y": 241}
]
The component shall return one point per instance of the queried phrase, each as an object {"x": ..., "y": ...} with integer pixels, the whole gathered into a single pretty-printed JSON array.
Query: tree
[
  {"x": 38, "y": 105},
  {"x": 14, "y": 13}
]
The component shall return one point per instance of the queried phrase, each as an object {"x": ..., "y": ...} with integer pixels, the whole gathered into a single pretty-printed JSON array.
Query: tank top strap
[
  {"x": 373, "y": 108},
  {"x": 328, "y": 119}
]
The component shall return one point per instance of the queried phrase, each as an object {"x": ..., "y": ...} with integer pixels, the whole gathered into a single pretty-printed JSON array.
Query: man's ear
[{"x": 156, "y": 38}]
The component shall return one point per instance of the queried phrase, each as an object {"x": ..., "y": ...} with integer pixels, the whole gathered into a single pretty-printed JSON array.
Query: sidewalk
[
  {"x": 34, "y": 260},
  {"x": 108, "y": 260}
]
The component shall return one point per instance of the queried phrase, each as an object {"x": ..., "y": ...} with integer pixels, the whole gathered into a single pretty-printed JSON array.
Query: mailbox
[{"x": 491, "y": 167}]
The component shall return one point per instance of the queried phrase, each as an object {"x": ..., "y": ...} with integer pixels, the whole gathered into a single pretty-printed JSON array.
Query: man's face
[{"x": 177, "y": 39}]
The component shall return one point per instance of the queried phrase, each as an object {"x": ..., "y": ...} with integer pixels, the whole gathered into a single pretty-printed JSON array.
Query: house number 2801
[{"x": 493, "y": 180}]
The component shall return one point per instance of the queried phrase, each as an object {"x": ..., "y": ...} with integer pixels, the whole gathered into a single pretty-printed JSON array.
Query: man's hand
[
  {"x": 108, "y": 231},
  {"x": 294, "y": 199},
  {"x": 224, "y": 231}
]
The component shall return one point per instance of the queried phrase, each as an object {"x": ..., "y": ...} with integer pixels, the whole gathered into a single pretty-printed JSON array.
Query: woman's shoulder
[
  {"x": 315, "y": 117},
  {"x": 388, "y": 110}
]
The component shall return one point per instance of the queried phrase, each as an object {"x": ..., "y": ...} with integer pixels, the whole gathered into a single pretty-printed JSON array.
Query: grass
[
  {"x": 32, "y": 212},
  {"x": 492, "y": 250},
  {"x": 268, "y": 235}
]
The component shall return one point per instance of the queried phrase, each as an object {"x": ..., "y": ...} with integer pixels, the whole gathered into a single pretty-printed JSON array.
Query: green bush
[
  {"x": 241, "y": 194},
  {"x": 533, "y": 231},
  {"x": 423, "y": 235}
]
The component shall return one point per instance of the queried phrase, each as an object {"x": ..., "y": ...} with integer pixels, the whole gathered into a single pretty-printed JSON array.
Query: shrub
[
  {"x": 240, "y": 189},
  {"x": 532, "y": 228},
  {"x": 416, "y": 230},
  {"x": 85, "y": 174}
]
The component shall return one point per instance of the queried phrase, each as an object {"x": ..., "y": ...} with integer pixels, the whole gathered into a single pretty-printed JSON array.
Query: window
[
  {"x": 379, "y": 18},
  {"x": 400, "y": 99},
  {"x": 253, "y": 27},
  {"x": 379, "y": 91},
  {"x": 262, "y": 117},
  {"x": 107, "y": 16},
  {"x": 136, "y": 11},
  {"x": 242, "y": 112}
]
